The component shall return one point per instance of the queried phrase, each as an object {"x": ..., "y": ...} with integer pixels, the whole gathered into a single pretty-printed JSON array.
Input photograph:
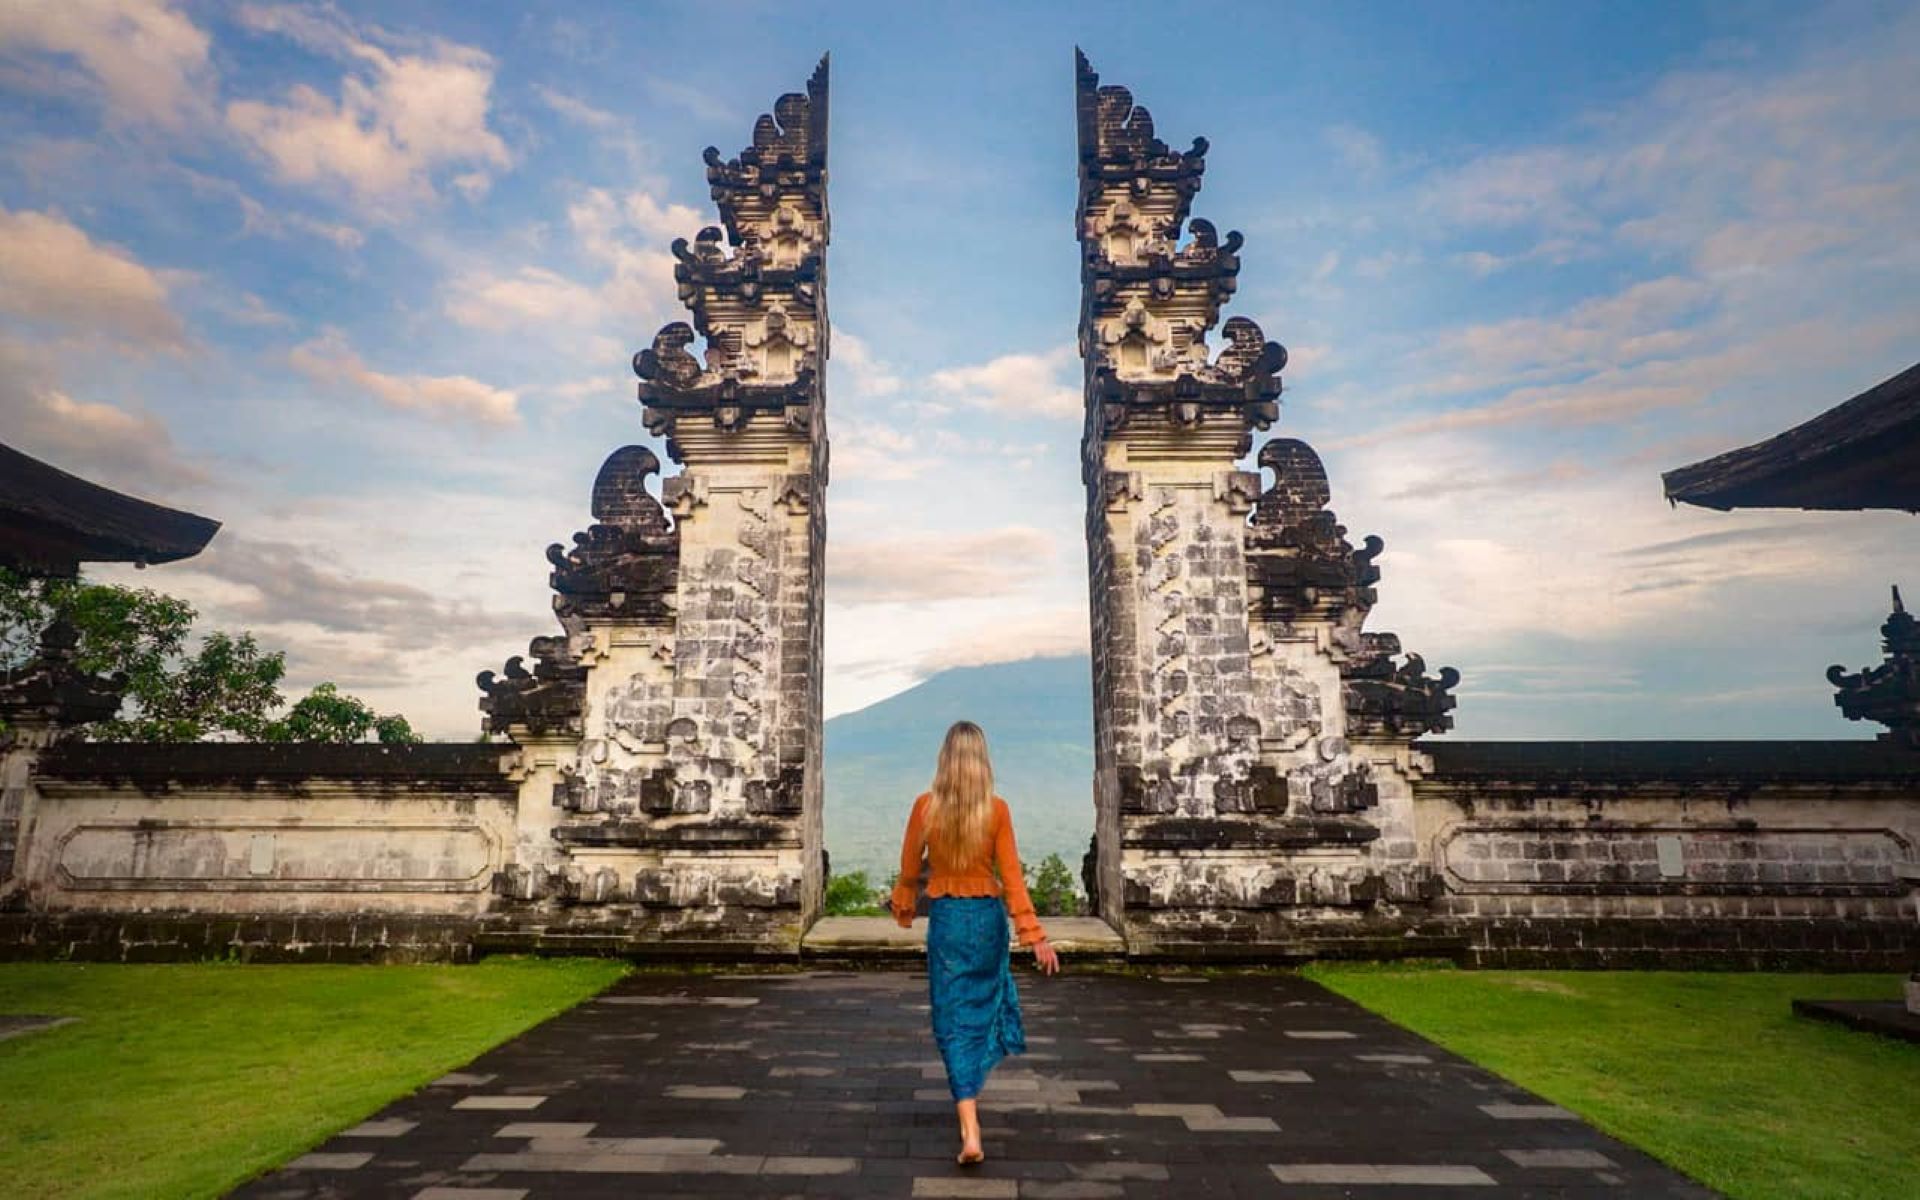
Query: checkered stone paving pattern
[{"x": 827, "y": 1084}]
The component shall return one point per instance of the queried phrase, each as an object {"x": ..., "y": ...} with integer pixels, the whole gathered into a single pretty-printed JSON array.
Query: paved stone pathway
[{"x": 827, "y": 1084}]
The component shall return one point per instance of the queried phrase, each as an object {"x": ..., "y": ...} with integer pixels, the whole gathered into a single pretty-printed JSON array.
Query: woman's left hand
[{"x": 1046, "y": 957}]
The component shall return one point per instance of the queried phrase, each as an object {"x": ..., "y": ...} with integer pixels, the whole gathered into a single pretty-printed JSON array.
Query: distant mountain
[{"x": 1038, "y": 715}]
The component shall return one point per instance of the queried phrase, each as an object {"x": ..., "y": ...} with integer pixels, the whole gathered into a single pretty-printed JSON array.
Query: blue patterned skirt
[{"x": 976, "y": 1010}]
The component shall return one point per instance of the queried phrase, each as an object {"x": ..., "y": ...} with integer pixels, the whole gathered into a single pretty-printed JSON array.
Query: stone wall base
[
  {"x": 1539, "y": 943},
  {"x": 719, "y": 935},
  {"x": 261, "y": 937},
  {"x": 1285, "y": 935},
  {"x": 1693, "y": 945}
]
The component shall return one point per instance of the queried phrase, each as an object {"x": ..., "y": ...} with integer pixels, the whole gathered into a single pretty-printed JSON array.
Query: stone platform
[
  {"x": 827, "y": 1084},
  {"x": 1888, "y": 1018},
  {"x": 879, "y": 938}
]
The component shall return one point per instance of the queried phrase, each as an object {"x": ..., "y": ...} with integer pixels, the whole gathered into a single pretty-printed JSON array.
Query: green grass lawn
[
  {"x": 1710, "y": 1072},
  {"x": 187, "y": 1080}
]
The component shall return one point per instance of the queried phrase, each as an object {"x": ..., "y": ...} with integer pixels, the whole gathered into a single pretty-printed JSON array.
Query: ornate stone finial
[
  {"x": 548, "y": 700},
  {"x": 1297, "y": 551},
  {"x": 625, "y": 564},
  {"x": 760, "y": 307},
  {"x": 1117, "y": 137},
  {"x": 1149, "y": 301},
  {"x": 51, "y": 689},
  {"x": 1388, "y": 700},
  {"x": 1890, "y": 692}
]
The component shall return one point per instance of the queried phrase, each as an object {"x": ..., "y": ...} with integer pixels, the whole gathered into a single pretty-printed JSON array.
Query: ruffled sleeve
[
  {"x": 913, "y": 847},
  {"x": 1006, "y": 856}
]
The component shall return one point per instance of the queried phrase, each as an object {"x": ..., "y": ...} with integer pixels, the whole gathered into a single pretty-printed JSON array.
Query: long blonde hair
[{"x": 960, "y": 809}]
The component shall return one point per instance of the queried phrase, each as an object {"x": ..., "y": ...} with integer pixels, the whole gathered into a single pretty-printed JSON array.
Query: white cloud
[
  {"x": 52, "y": 273},
  {"x": 124, "y": 450},
  {"x": 626, "y": 236},
  {"x": 1591, "y": 553},
  {"x": 1385, "y": 263},
  {"x": 1358, "y": 149},
  {"x": 866, "y": 374},
  {"x": 1525, "y": 187},
  {"x": 1040, "y": 633},
  {"x": 576, "y": 110},
  {"x": 1304, "y": 357},
  {"x": 329, "y": 359},
  {"x": 252, "y": 310},
  {"x": 692, "y": 99},
  {"x": 1640, "y": 321},
  {"x": 145, "y": 59},
  {"x": 932, "y": 567},
  {"x": 287, "y": 584},
  {"x": 1023, "y": 385},
  {"x": 532, "y": 296},
  {"x": 276, "y": 222},
  {"x": 869, "y": 450},
  {"x": 400, "y": 119}
]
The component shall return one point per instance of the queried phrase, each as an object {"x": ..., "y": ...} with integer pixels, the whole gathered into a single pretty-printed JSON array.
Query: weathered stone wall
[
  {"x": 259, "y": 851},
  {"x": 1674, "y": 853}
]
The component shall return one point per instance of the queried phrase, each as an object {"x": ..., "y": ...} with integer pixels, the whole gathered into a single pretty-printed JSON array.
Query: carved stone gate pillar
[
  {"x": 1242, "y": 786},
  {"x": 676, "y": 726}
]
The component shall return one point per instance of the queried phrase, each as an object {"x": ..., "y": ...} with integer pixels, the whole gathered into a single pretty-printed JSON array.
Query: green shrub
[
  {"x": 1054, "y": 890},
  {"x": 853, "y": 895}
]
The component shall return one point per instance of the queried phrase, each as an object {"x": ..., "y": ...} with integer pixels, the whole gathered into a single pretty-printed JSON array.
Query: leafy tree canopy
[
  {"x": 854, "y": 895},
  {"x": 1053, "y": 888},
  {"x": 225, "y": 687}
]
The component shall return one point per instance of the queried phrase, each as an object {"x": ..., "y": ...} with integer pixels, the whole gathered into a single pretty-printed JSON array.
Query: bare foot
[{"x": 968, "y": 1112}]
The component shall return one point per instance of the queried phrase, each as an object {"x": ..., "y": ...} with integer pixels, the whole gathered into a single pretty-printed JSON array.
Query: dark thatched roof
[
  {"x": 51, "y": 521},
  {"x": 1862, "y": 454}
]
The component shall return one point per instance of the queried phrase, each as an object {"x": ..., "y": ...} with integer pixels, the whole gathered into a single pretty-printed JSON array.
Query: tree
[
  {"x": 227, "y": 686},
  {"x": 853, "y": 895},
  {"x": 326, "y": 715},
  {"x": 1052, "y": 886}
]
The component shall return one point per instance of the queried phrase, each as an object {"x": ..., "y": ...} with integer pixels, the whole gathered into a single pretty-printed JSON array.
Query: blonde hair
[{"x": 960, "y": 809}]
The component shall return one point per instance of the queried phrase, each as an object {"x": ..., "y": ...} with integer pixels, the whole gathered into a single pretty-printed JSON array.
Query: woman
[{"x": 966, "y": 833}]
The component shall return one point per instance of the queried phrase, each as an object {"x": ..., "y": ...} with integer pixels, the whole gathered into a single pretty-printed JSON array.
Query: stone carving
[
  {"x": 688, "y": 802},
  {"x": 544, "y": 701},
  {"x": 1298, "y": 556},
  {"x": 51, "y": 692},
  {"x": 624, "y": 564},
  {"x": 1393, "y": 701},
  {"x": 1251, "y": 744},
  {"x": 760, "y": 308},
  {"x": 1890, "y": 692}
]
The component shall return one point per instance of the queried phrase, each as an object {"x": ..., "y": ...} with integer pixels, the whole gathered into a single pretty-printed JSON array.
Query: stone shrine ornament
[{"x": 1890, "y": 692}]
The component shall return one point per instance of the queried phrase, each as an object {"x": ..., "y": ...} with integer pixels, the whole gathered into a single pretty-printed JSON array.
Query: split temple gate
[
  {"x": 1252, "y": 746},
  {"x": 1262, "y": 786},
  {"x": 669, "y": 737}
]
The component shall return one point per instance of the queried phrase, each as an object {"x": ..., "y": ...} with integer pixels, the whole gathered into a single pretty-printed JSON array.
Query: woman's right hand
[{"x": 1046, "y": 957}]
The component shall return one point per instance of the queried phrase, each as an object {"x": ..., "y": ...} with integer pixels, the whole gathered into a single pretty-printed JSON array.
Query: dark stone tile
[{"x": 1074, "y": 1126}]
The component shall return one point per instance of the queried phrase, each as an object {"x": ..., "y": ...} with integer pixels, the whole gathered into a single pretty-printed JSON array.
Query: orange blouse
[{"x": 977, "y": 880}]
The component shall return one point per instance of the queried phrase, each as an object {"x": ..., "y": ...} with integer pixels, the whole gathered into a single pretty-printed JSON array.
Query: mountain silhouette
[{"x": 1038, "y": 716}]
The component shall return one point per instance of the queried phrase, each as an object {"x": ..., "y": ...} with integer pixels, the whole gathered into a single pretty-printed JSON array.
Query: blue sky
[{"x": 362, "y": 282}]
